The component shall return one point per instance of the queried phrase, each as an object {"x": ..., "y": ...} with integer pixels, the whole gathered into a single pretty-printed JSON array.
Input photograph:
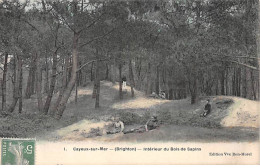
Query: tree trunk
[
  {"x": 238, "y": 82},
  {"x": 76, "y": 89},
  {"x": 185, "y": 92},
  {"x": 166, "y": 83},
  {"x": 258, "y": 50},
  {"x": 110, "y": 72},
  {"x": 234, "y": 82},
  {"x": 20, "y": 109},
  {"x": 52, "y": 84},
  {"x": 70, "y": 69},
  {"x": 79, "y": 76},
  {"x": 148, "y": 81},
  {"x": 66, "y": 72},
  {"x": 217, "y": 81},
  {"x": 84, "y": 76},
  {"x": 107, "y": 72},
  {"x": 32, "y": 91},
  {"x": 39, "y": 85},
  {"x": 170, "y": 94},
  {"x": 29, "y": 83},
  {"x": 194, "y": 91},
  {"x": 244, "y": 83},
  {"x": 138, "y": 69},
  {"x": 120, "y": 82},
  {"x": 97, "y": 83},
  {"x": 151, "y": 87},
  {"x": 63, "y": 87},
  {"x": 67, "y": 92},
  {"x": 157, "y": 84},
  {"x": 46, "y": 86},
  {"x": 222, "y": 82},
  {"x": 113, "y": 71},
  {"x": 226, "y": 76},
  {"x": 94, "y": 92},
  {"x": 248, "y": 84},
  {"x": 91, "y": 72},
  {"x": 253, "y": 85},
  {"x": 4, "y": 83},
  {"x": 17, "y": 69},
  {"x": 131, "y": 77}
]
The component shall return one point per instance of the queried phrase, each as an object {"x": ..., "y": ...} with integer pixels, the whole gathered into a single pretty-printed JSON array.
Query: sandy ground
[
  {"x": 231, "y": 119},
  {"x": 242, "y": 113}
]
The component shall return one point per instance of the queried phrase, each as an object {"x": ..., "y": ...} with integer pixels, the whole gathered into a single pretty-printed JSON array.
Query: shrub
[
  {"x": 130, "y": 118},
  {"x": 165, "y": 117}
]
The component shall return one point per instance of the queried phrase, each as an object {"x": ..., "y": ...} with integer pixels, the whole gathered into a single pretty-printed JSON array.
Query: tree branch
[
  {"x": 237, "y": 56},
  {"x": 99, "y": 37},
  {"x": 63, "y": 19},
  {"x": 91, "y": 62},
  {"x": 26, "y": 21},
  {"x": 91, "y": 24},
  {"x": 248, "y": 66},
  {"x": 81, "y": 66}
]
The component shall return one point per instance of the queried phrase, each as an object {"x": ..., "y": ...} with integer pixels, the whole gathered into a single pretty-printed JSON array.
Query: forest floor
[{"x": 231, "y": 119}]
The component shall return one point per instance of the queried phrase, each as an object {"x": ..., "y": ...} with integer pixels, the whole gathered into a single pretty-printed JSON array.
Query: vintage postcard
[{"x": 116, "y": 82}]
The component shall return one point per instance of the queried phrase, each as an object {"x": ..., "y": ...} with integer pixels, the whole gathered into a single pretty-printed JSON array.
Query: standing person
[
  {"x": 124, "y": 83},
  {"x": 207, "y": 108}
]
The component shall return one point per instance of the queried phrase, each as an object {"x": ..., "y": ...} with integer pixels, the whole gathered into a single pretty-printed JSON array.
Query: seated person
[
  {"x": 162, "y": 95},
  {"x": 117, "y": 127},
  {"x": 207, "y": 109},
  {"x": 154, "y": 95},
  {"x": 151, "y": 124}
]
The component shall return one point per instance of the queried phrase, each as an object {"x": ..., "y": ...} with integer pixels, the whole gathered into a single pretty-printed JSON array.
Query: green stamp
[{"x": 18, "y": 152}]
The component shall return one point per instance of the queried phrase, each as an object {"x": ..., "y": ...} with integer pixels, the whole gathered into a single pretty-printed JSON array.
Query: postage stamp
[{"x": 18, "y": 152}]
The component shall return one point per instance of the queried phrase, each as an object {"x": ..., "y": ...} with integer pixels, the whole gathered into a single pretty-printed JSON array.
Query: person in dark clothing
[
  {"x": 152, "y": 123},
  {"x": 123, "y": 79},
  {"x": 207, "y": 109}
]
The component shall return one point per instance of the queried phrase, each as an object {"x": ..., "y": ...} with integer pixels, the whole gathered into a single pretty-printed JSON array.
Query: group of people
[
  {"x": 153, "y": 123},
  {"x": 161, "y": 95},
  {"x": 118, "y": 126}
]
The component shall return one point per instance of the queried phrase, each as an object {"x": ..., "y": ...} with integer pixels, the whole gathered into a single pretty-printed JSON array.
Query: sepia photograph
[{"x": 147, "y": 81}]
